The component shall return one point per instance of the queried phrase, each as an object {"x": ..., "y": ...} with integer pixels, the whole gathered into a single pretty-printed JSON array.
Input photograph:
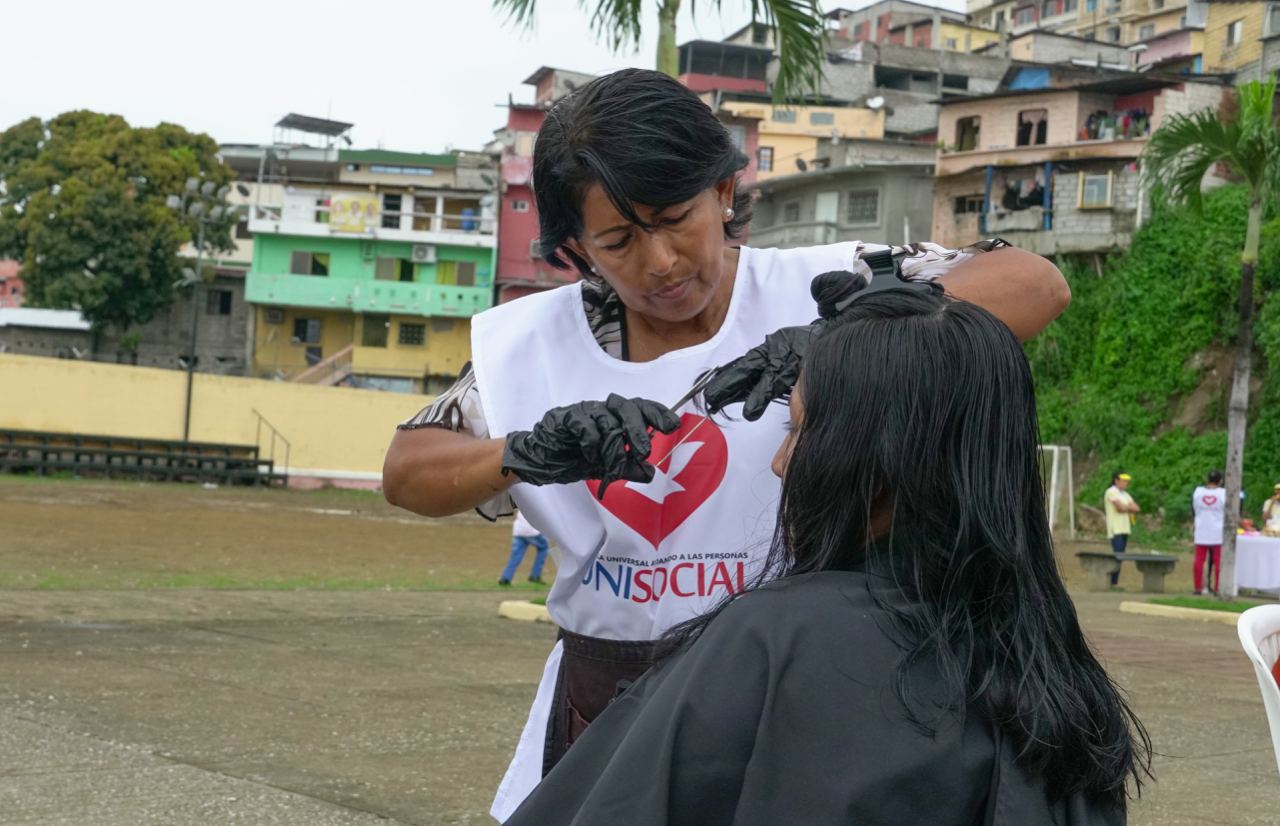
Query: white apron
[{"x": 648, "y": 556}]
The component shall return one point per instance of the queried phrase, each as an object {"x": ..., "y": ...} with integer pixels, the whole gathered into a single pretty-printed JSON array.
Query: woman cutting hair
[
  {"x": 913, "y": 657},
  {"x": 565, "y": 408}
]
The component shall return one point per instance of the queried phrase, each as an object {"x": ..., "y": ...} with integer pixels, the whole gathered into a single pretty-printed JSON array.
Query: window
[
  {"x": 412, "y": 334},
  {"x": 1048, "y": 8},
  {"x": 1033, "y": 127},
  {"x": 401, "y": 170},
  {"x": 391, "y": 211},
  {"x": 518, "y": 205},
  {"x": 784, "y": 115},
  {"x": 999, "y": 20},
  {"x": 952, "y": 44},
  {"x": 306, "y": 331},
  {"x": 758, "y": 35},
  {"x": 217, "y": 302},
  {"x": 955, "y": 82},
  {"x": 822, "y": 118},
  {"x": 1069, "y": 6},
  {"x": 393, "y": 269},
  {"x": 1091, "y": 5},
  {"x": 1095, "y": 190},
  {"x": 968, "y": 205},
  {"x": 1113, "y": 34},
  {"x": 322, "y": 210},
  {"x": 353, "y": 167},
  {"x": 1024, "y": 15},
  {"x": 859, "y": 30},
  {"x": 1147, "y": 31},
  {"x": 1235, "y": 32},
  {"x": 967, "y": 131},
  {"x": 791, "y": 212},
  {"x": 309, "y": 263},
  {"x": 1273, "y": 19},
  {"x": 242, "y": 230},
  {"x": 1157, "y": 4},
  {"x": 373, "y": 330},
  {"x": 275, "y": 315},
  {"x": 862, "y": 206},
  {"x": 738, "y": 134},
  {"x": 764, "y": 159},
  {"x": 456, "y": 273}
]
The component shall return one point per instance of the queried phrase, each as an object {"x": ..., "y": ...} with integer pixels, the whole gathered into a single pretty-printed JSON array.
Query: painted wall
[
  {"x": 1218, "y": 56},
  {"x": 999, "y": 124},
  {"x": 331, "y": 428},
  {"x": 275, "y": 354},
  {"x": 445, "y": 349},
  {"x": 967, "y": 38}
]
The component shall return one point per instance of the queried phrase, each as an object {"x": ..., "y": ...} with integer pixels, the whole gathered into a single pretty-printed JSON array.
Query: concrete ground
[
  {"x": 127, "y": 701},
  {"x": 194, "y": 707}
]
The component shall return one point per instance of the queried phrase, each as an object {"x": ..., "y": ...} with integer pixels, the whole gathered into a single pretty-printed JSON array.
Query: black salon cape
[{"x": 783, "y": 714}]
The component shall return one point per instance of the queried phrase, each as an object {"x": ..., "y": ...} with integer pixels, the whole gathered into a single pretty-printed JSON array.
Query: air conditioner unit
[
  {"x": 535, "y": 249},
  {"x": 275, "y": 315},
  {"x": 424, "y": 254}
]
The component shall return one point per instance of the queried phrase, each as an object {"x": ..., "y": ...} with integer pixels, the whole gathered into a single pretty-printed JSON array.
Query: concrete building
[
  {"x": 1236, "y": 34},
  {"x": 788, "y": 136},
  {"x": 908, "y": 82},
  {"x": 867, "y": 190},
  {"x": 367, "y": 263},
  {"x": 164, "y": 342},
  {"x": 11, "y": 286},
  {"x": 1054, "y": 169}
]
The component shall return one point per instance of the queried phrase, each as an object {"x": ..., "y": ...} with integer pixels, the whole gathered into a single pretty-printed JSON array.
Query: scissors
[{"x": 699, "y": 385}]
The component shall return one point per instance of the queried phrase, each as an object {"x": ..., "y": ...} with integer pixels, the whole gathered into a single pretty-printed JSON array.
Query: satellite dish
[
  {"x": 801, "y": 165},
  {"x": 876, "y": 102}
]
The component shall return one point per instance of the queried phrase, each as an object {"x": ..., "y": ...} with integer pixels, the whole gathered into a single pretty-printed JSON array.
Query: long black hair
[
  {"x": 646, "y": 139},
  {"x": 922, "y": 408}
]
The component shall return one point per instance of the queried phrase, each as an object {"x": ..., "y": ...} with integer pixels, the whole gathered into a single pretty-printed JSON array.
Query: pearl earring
[{"x": 728, "y": 214}]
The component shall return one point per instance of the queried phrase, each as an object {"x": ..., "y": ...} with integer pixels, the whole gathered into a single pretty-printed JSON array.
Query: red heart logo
[
  {"x": 689, "y": 470},
  {"x": 1209, "y": 500}
]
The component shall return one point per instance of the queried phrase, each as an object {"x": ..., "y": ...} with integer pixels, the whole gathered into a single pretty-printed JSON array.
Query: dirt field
[
  {"x": 91, "y": 535},
  {"x": 174, "y": 656},
  {"x": 111, "y": 535}
]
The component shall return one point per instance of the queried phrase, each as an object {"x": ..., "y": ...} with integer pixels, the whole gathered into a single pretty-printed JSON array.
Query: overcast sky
[{"x": 413, "y": 75}]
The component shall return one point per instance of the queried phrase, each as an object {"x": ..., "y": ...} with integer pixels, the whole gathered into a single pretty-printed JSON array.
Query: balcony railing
[
  {"x": 415, "y": 226},
  {"x": 795, "y": 235},
  {"x": 367, "y": 296}
]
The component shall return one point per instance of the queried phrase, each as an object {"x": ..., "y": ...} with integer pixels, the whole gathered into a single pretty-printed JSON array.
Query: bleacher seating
[{"x": 120, "y": 457}]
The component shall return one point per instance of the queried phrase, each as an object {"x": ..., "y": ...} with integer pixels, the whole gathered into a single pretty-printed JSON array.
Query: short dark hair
[
  {"x": 1215, "y": 477},
  {"x": 1115, "y": 477},
  {"x": 646, "y": 139}
]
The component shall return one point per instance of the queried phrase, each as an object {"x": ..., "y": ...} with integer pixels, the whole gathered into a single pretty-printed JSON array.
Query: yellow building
[
  {"x": 788, "y": 134},
  {"x": 1233, "y": 33},
  {"x": 957, "y": 37}
]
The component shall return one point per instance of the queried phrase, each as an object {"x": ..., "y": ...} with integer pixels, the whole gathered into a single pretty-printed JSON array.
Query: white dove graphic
[{"x": 664, "y": 483}]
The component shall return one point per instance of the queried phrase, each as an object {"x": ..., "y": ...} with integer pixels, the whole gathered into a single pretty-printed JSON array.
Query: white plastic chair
[{"x": 1259, "y": 630}]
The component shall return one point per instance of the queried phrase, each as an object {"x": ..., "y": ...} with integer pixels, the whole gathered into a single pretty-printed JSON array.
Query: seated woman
[{"x": 910, "y": 655}]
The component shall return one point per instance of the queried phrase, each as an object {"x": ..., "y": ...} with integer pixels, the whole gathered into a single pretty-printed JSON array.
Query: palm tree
[
  {"x": 1243, "y": 139},
  {"x": 798, "y": 26}
]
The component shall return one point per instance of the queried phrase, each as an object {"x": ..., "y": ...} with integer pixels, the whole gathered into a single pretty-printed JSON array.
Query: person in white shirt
[
  {"x": 1208, "y": 504},
  {"x": 657, "y": 514},
  {"x": 1120, "y": 510},
  {"x": 522, "y": 536},
  {"x": 1271, "y": 514}
]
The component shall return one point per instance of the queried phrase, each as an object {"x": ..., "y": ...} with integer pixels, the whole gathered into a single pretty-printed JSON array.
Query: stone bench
[{"x": 1100, "y": 565}]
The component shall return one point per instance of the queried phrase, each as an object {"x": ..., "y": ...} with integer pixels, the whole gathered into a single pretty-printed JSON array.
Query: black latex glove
[
  {"x": 606, "y": 440},
  {"x": 769, "y": 371}
]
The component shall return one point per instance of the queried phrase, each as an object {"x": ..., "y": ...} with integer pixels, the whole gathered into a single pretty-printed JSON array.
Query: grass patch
[
  {"x": 1234, "y": 606},
  {"x": 539, "y": 601}
]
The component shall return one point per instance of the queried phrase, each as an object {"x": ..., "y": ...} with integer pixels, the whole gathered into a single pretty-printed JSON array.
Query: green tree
[
  {"x": 798, "y": 25},
  {"x": 1243, "y": 139},
  {"x": 82, "y": 206}
]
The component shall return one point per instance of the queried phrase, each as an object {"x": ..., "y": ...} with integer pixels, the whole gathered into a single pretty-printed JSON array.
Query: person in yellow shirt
[
  {"x": 1271, "y": 514},
  {"x": 1120, "y": 508}
]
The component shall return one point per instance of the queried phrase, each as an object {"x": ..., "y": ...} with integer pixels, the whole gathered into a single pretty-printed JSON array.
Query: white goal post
[{"x": 1059, "y": 493}]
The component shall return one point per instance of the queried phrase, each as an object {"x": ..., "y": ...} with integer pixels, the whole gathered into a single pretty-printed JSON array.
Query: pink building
[{"x": 11, "y": 286}]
